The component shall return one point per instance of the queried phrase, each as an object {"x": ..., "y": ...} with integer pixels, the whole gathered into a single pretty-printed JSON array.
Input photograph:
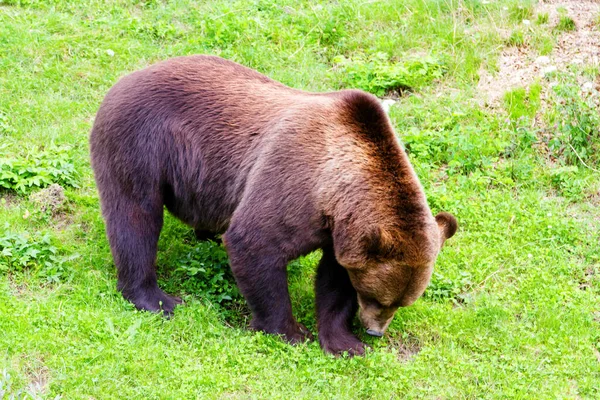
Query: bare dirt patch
[
  {"x": 407, "y": 347},
  {"x": 8, "y": 200},
  {"x": 38, "y": 382},
  {"x": 19, "y": 286},
  {"x": 17, "y": 289},
  {"x": 581, "y": 45},
  {"x": 37, "y": 374},
  {"x": 63, "y": 220},
  {"x": 519, "y": 66},
  {"x": 51, "y": 199},
  {"x": 516, "y": 69}
]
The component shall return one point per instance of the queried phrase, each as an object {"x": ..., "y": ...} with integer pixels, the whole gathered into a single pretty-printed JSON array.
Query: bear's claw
[
  {"x": 155, "y": 301},
  {"x": 339, "y": 344},
  {"x": 293, "y": 335},
  {"x": 300, "y": 336}
]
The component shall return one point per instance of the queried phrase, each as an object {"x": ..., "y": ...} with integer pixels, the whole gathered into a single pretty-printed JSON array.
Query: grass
[
  {"x": 513, "y": 308},
  {"x": 566, "y": 24}
]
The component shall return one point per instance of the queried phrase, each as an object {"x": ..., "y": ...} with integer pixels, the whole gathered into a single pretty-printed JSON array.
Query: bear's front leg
[
  {"x": 261, "y": 275},
  {"x": 336, "y": 306}
]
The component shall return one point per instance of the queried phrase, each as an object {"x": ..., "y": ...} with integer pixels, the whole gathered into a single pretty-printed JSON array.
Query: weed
[
  {"x": 517, "y": 38},
  {"x": 521, "y": 103},
  {"x": 205, "y": 272},
  {"x": 37, "y": 170},
  {"x": 577, "y": 134},
  {"x": 565, "y": 24},
  {"x": 544, "y": 43},
  {"x": 5, "y": 126},
  {"x": 591, "y": 72},
  {"x": 6, "y": 386},
  {"x": 520, "y": 11},
  {"x": 542, "y": 18},
  {"x": 442, "y": 288},
  {"x": 19, "y": 252},
  {"x": 381, "y": 76},
  {"x": 567, "y": 182},
  {"x": 462, "y": 148}
]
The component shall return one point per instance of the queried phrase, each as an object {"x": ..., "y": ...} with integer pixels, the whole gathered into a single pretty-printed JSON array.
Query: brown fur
[{"x": 280, "y": 172}]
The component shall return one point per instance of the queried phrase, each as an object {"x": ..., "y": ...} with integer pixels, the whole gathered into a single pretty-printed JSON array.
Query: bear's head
[{"x": 390, "y": 268}]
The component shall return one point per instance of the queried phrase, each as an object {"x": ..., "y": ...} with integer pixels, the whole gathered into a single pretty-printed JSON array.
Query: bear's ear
[
  {"x": 377, "y": 242},
  {"x": 355, "y": 247},
  {"x": 447, "y": 224},
  {"x": 346, "y": 246}
]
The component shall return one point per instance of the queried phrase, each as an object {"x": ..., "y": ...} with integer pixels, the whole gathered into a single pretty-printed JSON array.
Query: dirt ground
[{"x": 519, "y": 66}]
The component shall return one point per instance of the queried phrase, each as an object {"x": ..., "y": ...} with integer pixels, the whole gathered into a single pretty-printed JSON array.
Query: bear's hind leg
[
  {"x": 336, "y": 306},
  {"x": 133, "y": 229}
]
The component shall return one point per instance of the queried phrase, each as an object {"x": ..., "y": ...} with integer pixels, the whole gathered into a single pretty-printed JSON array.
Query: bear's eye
[
  {"x": 372, "y": 301},
  {"x": 396, "y": 304}
]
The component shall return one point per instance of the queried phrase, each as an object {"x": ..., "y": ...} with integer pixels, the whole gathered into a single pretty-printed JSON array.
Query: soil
[
  {"x": 8, "y": 199},
  {"x": 519, "y": 66},
  {"x": 50, "y": 199},
  {"x": 407, "y": 348}
]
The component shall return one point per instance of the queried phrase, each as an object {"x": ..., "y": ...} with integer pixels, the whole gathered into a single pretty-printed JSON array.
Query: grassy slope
[{"x": 505, "y": 315}]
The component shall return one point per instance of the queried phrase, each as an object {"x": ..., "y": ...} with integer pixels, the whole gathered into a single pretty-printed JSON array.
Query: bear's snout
[{"x": 374, "y": 317}]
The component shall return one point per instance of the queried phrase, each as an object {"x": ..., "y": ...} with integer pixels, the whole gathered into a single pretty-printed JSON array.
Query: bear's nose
[{"x": 374, "y": 333}]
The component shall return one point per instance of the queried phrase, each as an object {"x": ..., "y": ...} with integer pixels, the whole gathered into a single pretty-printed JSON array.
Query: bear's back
[{"x": 203, "y": 123}]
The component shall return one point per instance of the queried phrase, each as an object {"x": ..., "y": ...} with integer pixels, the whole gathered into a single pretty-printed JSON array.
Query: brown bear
[{"x": 280, "y": 172}]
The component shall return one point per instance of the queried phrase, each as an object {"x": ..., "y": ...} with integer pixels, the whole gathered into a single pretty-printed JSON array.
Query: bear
[{"x": 279, "y": 173}]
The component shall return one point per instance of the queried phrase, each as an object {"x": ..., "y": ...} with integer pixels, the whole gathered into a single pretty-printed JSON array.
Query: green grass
[
  {"x": 521, "y": 103},
  {"x": 566, "y": 24},
  {"x": 542, "y": 18},
  {"x": 513, "y": 310}
]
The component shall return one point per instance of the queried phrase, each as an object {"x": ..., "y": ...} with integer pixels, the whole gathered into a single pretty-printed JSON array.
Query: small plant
[
  {"x": 159, "y": 30},
  {"x": 462, "y": 148},
  {"x": 565, "y": 24},
  {"x": 576, "y": 137},
  {"x": 36, "y": 170},
  {"x": 544, "y": 43},
  {"x": 378, "y": 75},
  {"x": 205, "y": 272},
  {"x": 6, "y": 384},
  {"x": 519, "y": 12},
  {"x": 565, "y": 181},
  {"x": 516, "y": 39},
  {"x": 591, "y": 72},
  {"x": 5, "y": 126},
  {"x": 521, "y": 103},
  {"x": 329, "y": 33},
  {"x": 19, "y": 252},
  {"x": 442, "y": 288},
  {"x": 542, "y": 18}
]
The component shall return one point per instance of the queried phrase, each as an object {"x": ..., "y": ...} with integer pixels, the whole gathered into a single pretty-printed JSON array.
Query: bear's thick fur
[{"x": 280, "y": 172}]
